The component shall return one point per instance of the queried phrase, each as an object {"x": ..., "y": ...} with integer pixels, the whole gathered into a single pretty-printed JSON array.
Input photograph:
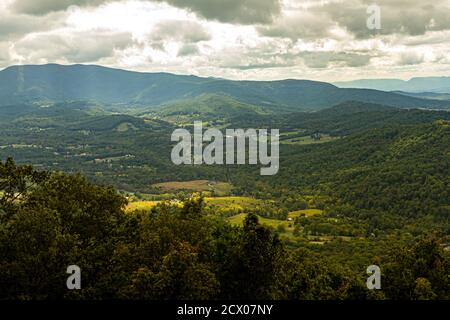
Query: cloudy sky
[{"x": 324, "y": 40}]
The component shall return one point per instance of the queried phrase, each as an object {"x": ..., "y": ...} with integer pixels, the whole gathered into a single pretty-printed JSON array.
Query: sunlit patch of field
[
  {"x": 222, "y": 188},
  {"x": 196, "y": 185},
  {"x": 148, "y": 205},
  {"x": 285, "y": 227},
  {"x": 292, "y": 134},
  {"x": 305, "y": 140},
  {"x": 125, "y": 126},
  {"x": 325, "y": 239},
  {"x": 232, "y": 202},
  {"x": 239, "y": 220},
  {"x": 238, "y": 203},
  {"x": 141, "y": 205},
  {"x": 275, "y": 223},
  {"x": 304, "y": 213},
  {"x": 443, "y": 123}
]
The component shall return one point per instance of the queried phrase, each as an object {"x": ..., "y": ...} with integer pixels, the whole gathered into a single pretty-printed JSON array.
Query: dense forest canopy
[{"x": 177, "y": 252}]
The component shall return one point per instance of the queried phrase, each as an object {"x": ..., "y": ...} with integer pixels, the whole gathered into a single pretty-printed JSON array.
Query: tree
[
  {"x": 57, "y": 220},
  {"x": 423, "y": 290},
  {"x": 254, "y": 263},
  {"x": 16, "y": 182},
  {"x": 418, "y": 271}
]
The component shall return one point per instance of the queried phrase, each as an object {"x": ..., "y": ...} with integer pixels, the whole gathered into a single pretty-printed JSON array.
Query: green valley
[{"x": 359, "y": 183}]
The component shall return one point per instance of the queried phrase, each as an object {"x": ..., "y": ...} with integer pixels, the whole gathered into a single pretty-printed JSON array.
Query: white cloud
[
  {"x": 234, "y": 11},
  {"x": 411, "y": 58},
  {"x": 179, "y": 30},
  {"x": 242, "y": 39},
  {"x": 42, "y": 7},
  {"x": 14, "y": 26},
  {"x": 4, "y": 52},
  {"x": 71, "y": 47}
]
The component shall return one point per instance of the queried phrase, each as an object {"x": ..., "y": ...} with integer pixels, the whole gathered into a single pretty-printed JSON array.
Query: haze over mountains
[
  {"x": 55, "y": 83},
  {"x": 414, "y": 85}
]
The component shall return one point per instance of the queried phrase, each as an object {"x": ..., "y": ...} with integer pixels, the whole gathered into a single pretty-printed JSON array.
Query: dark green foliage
[
  {"x": 180, "y": 253},
  {"x": 251, "y": 267},
  {"x": 16, "y": 182},
  {"x": 418, "y": 272}
]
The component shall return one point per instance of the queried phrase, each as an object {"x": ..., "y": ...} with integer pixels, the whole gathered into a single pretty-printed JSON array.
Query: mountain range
[{"x": 119, "y": 88}]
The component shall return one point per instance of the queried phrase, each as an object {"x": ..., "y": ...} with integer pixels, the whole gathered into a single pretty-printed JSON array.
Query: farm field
[
  {"x": 305, "y": 140},
  {"x": 288, "y": 225},
  {"x": 304, "y": 213},
  {"x": 141, "y": 205},
  {"x": 239, "y": 203},
  {"x": 220, "y": 188},
  {"x": 242, "y": 203},
  {"x": 125, "y": 126},
  {"x": 239, "y": 219}
]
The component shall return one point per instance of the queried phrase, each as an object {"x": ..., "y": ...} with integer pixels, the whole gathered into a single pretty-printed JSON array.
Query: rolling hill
[
  {"x": 211, "y": 107},
  {"x": 344, "y": 119}
]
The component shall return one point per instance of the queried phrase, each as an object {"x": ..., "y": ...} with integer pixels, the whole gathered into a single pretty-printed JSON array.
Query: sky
[{"x": 326, "y": 40}]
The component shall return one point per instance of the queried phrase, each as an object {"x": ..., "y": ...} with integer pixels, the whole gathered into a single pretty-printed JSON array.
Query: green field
[
  {"x": 219, "y": 188},
  {"x": 125, "y": 126},
  {"x": 304, "y": 213},
  {"x": 242, "y": 203},
  {"x": 305, "y": 140},
  {"x": 141, "y": 205},
  {"x": 239, "y": 203},
  {"x": 286, "y": 228},
  {"x": 288, "y": 225}
]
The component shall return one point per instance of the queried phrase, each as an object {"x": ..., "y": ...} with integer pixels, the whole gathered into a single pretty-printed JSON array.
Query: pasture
[{"x": 219, "y": 188}]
